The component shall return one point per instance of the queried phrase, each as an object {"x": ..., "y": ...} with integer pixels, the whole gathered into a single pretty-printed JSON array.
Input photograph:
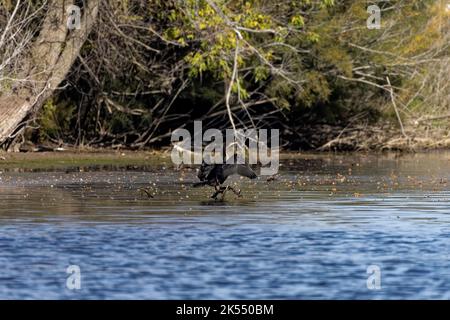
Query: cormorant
[{"x": 216, "y": 174}]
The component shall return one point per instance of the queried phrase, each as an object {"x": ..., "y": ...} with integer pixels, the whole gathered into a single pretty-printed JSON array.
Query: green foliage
[
  {"x": 213, "y": 38},
  {"x": 55, "y": 121},
  {"x": 310, "y": 57},
  {"x": 315, "y": 90},
  {"x": 48, "y": 121},
  {"x": 120, "y": 122}
]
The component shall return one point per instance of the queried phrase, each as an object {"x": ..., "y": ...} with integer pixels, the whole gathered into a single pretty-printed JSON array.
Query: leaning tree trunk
[{"x": 47, "y": 64}]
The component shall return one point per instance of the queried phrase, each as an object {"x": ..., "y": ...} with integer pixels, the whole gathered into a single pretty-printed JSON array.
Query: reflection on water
[{"x": 310, "y": 234}]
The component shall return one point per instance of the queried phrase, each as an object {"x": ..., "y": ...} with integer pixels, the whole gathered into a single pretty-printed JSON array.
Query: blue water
[{"x": 311, "y": 234}]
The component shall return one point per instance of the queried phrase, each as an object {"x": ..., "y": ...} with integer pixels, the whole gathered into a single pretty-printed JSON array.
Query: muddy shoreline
[{"x": 104, "y": 159}]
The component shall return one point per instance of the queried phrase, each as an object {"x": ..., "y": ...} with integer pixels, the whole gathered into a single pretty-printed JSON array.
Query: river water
[{"x": 329, "y": 227}]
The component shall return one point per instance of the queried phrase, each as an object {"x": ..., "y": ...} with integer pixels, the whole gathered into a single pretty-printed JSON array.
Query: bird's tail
[{"x": 200, "y": 184}]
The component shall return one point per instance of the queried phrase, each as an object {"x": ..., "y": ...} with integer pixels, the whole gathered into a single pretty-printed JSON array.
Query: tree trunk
[{"x": 47, "y": 64}]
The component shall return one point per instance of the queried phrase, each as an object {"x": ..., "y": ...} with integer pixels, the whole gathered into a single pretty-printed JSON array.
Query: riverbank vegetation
[{"x": 138, "y": 69}]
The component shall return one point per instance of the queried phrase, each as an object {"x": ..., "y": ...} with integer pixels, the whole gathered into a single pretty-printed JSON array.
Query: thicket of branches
[{"x": 310, "y": 68}]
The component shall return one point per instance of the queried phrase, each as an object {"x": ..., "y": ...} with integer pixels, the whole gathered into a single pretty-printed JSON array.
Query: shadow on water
[{"x": 311, "y": 233}]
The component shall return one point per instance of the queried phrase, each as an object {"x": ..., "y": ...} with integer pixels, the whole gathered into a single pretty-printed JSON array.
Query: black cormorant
[{"x": 216, "y": 174}]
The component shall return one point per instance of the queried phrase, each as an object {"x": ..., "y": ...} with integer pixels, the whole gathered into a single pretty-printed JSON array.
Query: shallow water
[{"x": 310, "y": 234}]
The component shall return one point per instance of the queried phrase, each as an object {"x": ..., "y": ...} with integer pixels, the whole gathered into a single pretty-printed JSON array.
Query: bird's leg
[
  {"x": 224, "y": 190},
  {"x": 217, "y": 192},
  {"x": 235, "y": 191}
]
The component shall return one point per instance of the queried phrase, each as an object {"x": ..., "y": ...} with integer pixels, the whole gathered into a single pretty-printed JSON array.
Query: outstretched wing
[{"x": 240, "y": 169}]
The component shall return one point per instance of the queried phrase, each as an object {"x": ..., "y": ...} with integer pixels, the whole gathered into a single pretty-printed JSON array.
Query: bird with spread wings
[{"x": 216, "y": 174}]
